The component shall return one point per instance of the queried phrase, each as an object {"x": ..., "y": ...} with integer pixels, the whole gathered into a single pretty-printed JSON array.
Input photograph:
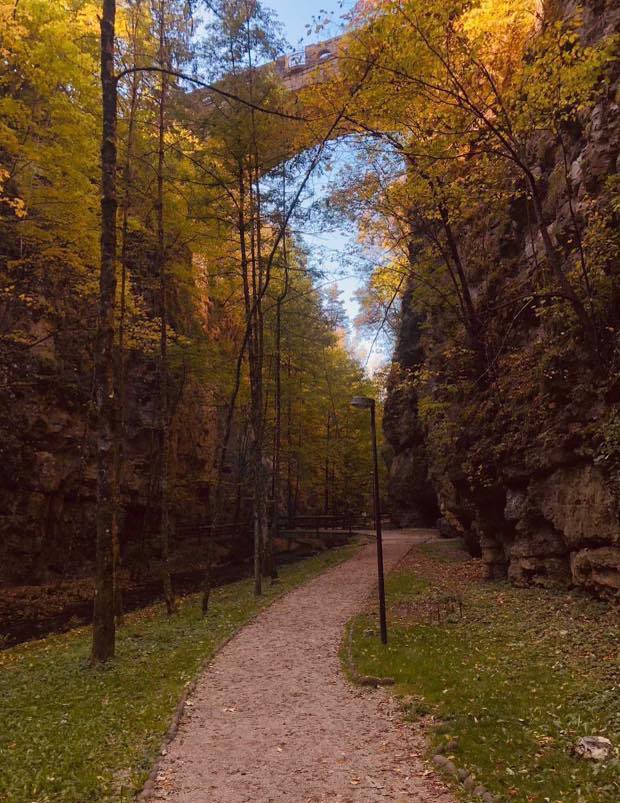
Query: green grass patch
[
  {"x": 515, "y": 682},
  {"x": 72, "y": 734}
]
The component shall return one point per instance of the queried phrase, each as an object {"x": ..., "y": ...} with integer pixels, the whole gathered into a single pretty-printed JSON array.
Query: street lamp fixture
[
  {"x": 366, "y": 403},
  {"x": 362, "y": 402}
]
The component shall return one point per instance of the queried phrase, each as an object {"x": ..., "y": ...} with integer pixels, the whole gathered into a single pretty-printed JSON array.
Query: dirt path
[{"x": 273, "y": 718}]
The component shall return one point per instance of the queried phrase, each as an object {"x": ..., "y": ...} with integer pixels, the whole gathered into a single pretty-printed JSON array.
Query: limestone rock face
[
  {"x": 47, "y": 519},
  {"x": 48, "y": 452},
  {"x": 516, "y": 501},
  {"x": 528, "y": 465},
  {"x": 578, "y": 504},
  {"x": 597, "y": 569},
  {"x": 413, "y": 500},
  {"x": 561, "y": 521}
]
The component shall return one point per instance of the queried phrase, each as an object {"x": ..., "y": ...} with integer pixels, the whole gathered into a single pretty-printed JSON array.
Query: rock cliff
[
  {"x": 47, "y": 434},
  {"x": 524, "y": 457},
  {"x": 413, "y": 501}
]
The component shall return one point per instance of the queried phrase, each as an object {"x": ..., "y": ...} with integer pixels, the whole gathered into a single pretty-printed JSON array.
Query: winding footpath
[{"x": 274, "y": 719}]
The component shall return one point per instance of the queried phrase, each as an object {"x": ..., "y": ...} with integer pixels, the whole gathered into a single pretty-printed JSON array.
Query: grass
[
  {"x": 513, "y": 683},
  {"x": 72, "y": 734}
]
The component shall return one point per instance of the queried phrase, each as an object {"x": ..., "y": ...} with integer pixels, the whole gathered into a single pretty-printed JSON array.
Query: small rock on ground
[{"x": 594, "y": 748}]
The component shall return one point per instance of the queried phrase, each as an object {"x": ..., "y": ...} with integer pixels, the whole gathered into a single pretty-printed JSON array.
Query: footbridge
[{"x": 297, "y": 70}]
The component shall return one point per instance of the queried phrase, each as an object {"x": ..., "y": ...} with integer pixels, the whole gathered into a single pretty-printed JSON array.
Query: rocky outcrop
[
  {"x": 47, "y": 443},
  {"x": 567, "y": 530},
  {"x": 527, "y": 466}
]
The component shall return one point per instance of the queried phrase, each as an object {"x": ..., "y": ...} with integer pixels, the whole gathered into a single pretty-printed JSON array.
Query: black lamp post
[{"x": 365, "y": 403}]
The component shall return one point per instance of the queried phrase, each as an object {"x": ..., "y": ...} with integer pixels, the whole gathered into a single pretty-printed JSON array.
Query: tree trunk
[
  {"x": 327, "y": 456},
  {"x": 257, "y": 435},
  {"x": 104, "y": 631},
  {"x": 164, "y": 423},
  {"x": 289, "y": 448},
  {"x": 119, "y": 449},
  {"x": 216, "y": 510},
  {"x": 277, "y": 438}
]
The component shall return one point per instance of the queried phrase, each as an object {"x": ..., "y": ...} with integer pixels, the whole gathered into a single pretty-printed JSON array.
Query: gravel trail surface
[{"x": 274, "y": 719}]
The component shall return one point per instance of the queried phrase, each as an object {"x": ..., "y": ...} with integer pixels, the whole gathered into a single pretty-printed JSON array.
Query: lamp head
[{"x": 362, "y": 402}]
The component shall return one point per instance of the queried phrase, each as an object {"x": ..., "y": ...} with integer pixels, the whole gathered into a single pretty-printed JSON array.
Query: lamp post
[{"x": 366, "y": 403}]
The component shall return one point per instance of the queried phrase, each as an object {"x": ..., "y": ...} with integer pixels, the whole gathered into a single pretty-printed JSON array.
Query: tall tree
[
  {"x": 164, "y": 411},
  {"x": 103, "y": 617}
]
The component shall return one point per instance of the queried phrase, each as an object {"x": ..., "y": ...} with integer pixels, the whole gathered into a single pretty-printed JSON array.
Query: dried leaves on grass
[{"x": 516, "y": 679}]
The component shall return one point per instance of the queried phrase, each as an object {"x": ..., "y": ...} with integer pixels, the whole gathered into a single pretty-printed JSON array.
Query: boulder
[{"x": 540, "y": 571}]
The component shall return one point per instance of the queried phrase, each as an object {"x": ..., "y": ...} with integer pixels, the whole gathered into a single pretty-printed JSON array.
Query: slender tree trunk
[
  {"x": 261, "y": 485},
  {"x": 277, "y": 440},
  {"x": 300, "y": 441},
  {"x": 277, "y": 436},
  {"x": 251, "y": 295},
  {"x": 289, "y": 447},
  {"x": 164, "y": 422},
  {"x": 277, "y": 444},
  {"x": 474, "y": 323},
  {"x": 119, "y": 449},
  {"x": 104, "y": 631},
  {"x": 258, "y": 469},
  {"x": 221, "y": 463},
  {"x": 260, "y": 491},
  {"x": 327, "y": 456},
  {"x": 345, "y": 483},
  {"x": 260, "y": 282}
]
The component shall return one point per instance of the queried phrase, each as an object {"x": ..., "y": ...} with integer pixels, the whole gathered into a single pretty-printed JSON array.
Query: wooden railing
[{"x": 318, "y": 522}]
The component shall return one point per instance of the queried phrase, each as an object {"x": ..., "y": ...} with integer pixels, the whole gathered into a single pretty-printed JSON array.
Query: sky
[{"x": 295, "y": 15}]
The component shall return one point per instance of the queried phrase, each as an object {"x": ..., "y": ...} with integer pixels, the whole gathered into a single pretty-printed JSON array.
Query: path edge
[
  {"x": 346, "y": 642},
  {"x": 142, "y": 795},
  {"x": 353, "y": 677}
]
